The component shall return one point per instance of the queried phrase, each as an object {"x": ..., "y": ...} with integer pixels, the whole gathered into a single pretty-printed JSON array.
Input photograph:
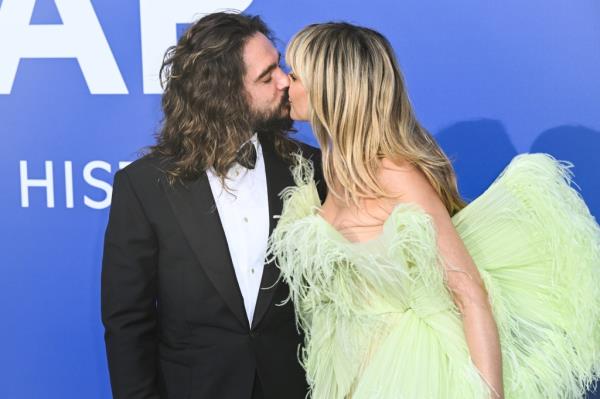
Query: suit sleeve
[{"x": 128, "y": 295}]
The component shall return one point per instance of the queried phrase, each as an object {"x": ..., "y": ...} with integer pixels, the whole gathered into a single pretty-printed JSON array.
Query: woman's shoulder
[
  {"x": 398, "y": 176},
  {"x": 406, "y": 183}
]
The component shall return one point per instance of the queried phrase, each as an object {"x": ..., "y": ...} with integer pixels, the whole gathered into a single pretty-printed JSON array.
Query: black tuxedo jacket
[{"x": 173, "y": 312}]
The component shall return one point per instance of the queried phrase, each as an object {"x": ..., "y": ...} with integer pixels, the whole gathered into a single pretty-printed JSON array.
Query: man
[{"x": 190, "y": 308}]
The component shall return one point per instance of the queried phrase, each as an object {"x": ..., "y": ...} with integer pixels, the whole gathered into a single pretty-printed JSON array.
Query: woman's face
[{"x": 298, "y": 99}]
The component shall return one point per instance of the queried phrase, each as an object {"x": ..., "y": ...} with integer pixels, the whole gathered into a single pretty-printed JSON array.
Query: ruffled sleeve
[{"x": 538, "y": 250}]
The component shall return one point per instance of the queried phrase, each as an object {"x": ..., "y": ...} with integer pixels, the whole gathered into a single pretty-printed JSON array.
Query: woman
[{"x": 401, "y": 290}]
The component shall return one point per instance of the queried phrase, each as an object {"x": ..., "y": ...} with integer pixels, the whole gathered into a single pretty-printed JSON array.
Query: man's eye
[{"x": 267, "y": 80}]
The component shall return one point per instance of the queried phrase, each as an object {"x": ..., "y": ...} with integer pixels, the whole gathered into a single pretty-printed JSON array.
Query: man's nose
[{"x": 283, "y": 81}]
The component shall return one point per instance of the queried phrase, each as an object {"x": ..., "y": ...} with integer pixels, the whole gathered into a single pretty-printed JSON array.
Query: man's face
[{"x": 265, "y": 83}]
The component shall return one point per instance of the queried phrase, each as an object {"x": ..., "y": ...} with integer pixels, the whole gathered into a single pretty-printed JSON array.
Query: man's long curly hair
[{"x": 206, "y": 111}]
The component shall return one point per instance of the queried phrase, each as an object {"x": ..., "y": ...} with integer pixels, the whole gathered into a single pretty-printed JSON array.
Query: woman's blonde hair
[{"x": 360, "y": 112}]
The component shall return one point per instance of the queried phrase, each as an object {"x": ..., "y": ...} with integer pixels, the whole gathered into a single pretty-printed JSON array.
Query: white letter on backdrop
[
  {"x": 94, "y": 182},
  {"x": 80, "y": 36}
]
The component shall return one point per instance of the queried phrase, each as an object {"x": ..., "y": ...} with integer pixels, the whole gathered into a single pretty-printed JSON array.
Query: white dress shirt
[{"x": 243, "y": 208}]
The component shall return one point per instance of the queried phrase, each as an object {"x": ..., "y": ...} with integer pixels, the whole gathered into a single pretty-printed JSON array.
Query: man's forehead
[{"x": 259, "y": 53}]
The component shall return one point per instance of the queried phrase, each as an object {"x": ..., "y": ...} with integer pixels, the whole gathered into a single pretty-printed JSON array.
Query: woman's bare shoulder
[{"x": 408, "y": 184}]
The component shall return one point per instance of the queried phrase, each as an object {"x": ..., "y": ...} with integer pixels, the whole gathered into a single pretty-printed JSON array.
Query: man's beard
[{"x": 274, "y": 121}]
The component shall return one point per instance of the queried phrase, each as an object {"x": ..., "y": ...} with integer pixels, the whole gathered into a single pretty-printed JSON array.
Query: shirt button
[
  {"x": 252, "y": 270},
  {"x": 245, "y": 219}
]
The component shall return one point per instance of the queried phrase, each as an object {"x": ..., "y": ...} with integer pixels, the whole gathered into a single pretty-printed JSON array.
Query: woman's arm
[
  {"x": 463, "y": 278},
  {"x": 467, "y": 288}
]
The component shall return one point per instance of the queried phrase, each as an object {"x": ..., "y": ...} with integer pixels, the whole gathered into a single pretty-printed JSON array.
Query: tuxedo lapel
[
  {"x": 194, "y": 207},
  {"x": 278, "y": 177}
]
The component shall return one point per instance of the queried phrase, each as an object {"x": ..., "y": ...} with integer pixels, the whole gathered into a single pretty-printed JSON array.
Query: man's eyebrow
[{"x": 269, "y": 69}]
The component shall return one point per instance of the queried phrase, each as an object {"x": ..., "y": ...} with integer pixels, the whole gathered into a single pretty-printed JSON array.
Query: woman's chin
[{"x": 297, "y": 117}]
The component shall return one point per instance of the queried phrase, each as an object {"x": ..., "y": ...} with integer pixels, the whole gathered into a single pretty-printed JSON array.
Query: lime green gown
[{"x": 379, "y": 322}]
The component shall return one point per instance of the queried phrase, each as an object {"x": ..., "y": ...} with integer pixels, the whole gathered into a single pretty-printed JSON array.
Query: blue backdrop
[{"x": 79, "y": 98}]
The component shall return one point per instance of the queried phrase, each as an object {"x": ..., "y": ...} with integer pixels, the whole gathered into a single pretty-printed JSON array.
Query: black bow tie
[{"x": 246, "y": 155}]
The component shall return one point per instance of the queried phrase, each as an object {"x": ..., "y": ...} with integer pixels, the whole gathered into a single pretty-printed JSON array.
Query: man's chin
[
  {"x": 274, "y": 124},
  {"x": 276, "y": 121}
]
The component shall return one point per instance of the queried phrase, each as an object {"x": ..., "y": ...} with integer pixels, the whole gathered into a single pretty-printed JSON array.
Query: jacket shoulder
[
  {"x": 146, "y": 167},
  {"x": 307, "y": 150},
  {"x": 313, "y": 154}
]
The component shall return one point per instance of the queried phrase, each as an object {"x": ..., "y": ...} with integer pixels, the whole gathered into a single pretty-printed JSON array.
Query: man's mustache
[{"x": 285, "y": 99}]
